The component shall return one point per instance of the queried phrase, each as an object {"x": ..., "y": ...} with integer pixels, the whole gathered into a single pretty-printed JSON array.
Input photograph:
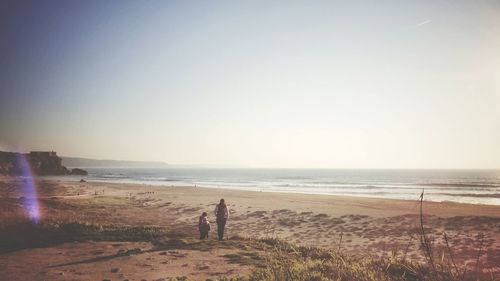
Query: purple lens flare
[{"x": 29, "y": 190}]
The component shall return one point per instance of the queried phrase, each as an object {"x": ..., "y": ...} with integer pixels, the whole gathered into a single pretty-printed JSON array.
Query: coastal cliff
[{"x": 41, "y": 163}]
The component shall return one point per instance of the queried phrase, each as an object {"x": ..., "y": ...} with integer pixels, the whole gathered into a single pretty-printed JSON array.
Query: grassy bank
[{"x": 271, "y": 259}]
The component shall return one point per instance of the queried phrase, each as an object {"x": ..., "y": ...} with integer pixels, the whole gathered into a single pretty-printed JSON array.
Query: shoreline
[
  {"x": 363, "y": 205},
  {"x": 262, "y": 190},
  {"x": 457, "y": 207},
  {"x": 462, "y": 186}
]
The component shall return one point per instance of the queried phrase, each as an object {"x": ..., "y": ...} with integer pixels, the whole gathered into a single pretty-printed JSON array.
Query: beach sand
[{"x": 357, "y": 225}]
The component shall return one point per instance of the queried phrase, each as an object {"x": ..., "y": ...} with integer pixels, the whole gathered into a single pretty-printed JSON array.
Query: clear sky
[{"x": 324, "y": 84}]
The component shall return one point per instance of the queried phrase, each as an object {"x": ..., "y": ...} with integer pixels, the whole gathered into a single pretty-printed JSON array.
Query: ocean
[{"x": 464, "y": 186}]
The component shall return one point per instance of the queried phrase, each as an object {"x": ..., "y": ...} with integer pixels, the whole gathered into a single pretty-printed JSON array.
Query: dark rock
[
  {"x": 79, "y": 172},
  {"x": 40, "y": 162},
  {"x": 82, "y": 180}
]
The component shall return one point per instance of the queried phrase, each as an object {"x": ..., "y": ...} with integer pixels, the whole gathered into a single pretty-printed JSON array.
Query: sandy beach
[{"x": 361, "y": 226}]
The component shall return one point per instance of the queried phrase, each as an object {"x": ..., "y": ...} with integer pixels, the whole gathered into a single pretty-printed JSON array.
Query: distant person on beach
[
  {"x": 204, "y": 225},
  {"x": 221, "y": 214}
]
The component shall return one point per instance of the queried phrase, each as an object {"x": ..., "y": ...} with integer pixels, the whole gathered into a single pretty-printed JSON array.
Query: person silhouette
[
  {"x": 204, "y": 225},
  {"x": 221, "y": 215}
]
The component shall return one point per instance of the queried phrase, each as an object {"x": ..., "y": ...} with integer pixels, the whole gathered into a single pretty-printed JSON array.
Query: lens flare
[{"x": 28, "y": 189}]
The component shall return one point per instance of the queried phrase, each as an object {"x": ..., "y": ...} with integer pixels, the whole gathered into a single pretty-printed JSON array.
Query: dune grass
[
  {"x": 28, "y": 235},
  {"x": 272, "y": 259}
]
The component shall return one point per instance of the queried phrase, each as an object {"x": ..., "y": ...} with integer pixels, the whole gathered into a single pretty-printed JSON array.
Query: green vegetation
[
  {"x": 29, "y": 235},
  {"x": 272, "y": 259},
  {"x": 288, "y": 262}
]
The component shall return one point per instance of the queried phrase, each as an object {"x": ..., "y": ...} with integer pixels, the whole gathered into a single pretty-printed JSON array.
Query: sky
[{"x": 288, "y": 84}]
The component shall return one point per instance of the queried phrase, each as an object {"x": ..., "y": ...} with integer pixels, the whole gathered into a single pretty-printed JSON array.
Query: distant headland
[
  {"x": 41, "y": 163},
  {"x": 101, "y": 163}
]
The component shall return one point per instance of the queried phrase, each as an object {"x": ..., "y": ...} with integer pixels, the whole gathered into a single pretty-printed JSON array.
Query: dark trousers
[
  {"x": 203, "y": 234},
  {"x": 221, "y": 224}
]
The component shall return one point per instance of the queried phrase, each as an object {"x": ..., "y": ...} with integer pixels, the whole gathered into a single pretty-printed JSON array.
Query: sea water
[{"x": 464, "y": 186}]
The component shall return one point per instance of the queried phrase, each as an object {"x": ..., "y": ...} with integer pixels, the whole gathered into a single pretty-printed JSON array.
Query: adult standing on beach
[{"x": 221, "y": 214}]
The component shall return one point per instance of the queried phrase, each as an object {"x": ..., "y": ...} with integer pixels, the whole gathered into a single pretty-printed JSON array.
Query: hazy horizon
[{"x": 282, "y": 84}]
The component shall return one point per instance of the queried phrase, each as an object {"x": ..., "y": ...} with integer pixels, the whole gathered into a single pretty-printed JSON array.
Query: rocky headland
[{"x": 41, "y": 163}]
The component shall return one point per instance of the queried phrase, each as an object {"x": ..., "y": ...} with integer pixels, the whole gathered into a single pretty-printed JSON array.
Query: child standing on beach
[{"x": 204, "y": 225}]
